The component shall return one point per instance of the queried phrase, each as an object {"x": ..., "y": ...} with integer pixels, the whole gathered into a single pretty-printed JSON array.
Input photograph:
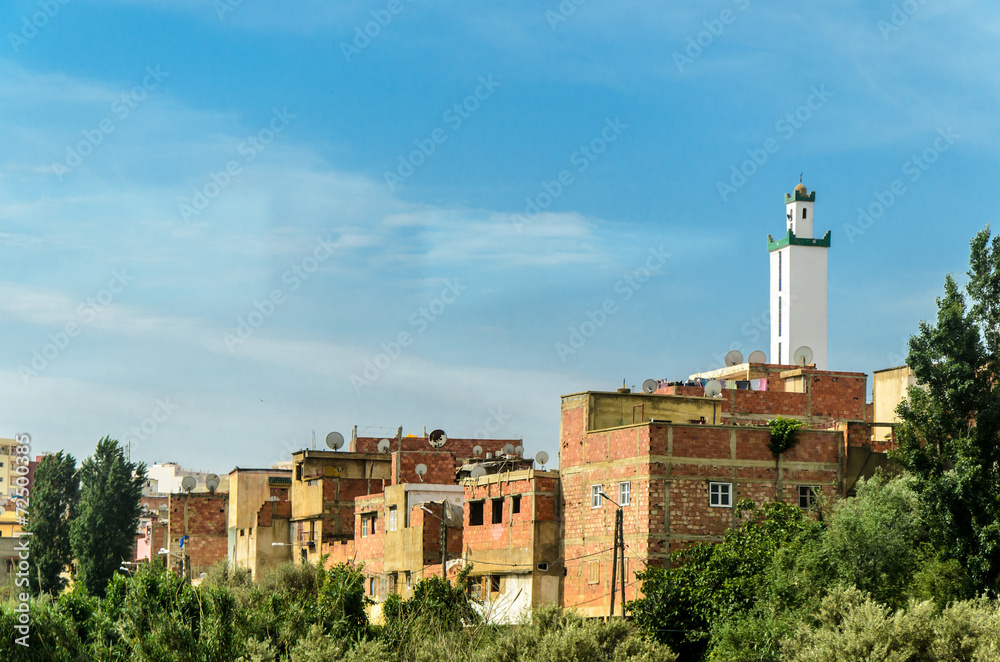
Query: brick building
[
  {"x": 327, "y": 484},
  {"x": 199, "y": 519},
  {"x": 677, "y": 462},
  {"x": 512, "y": 538}
]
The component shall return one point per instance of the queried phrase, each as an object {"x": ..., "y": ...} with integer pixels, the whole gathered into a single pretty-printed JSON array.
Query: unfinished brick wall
[
  {"x": 203, "y": 518},
  {"x": 670, "y": 469},
  {"x": 442, "y": 463}
]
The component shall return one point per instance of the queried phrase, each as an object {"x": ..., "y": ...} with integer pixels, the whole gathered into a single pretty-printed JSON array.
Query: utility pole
[
  {"x": 444, "y": 546},
  {"x": 618, "y": 558}
]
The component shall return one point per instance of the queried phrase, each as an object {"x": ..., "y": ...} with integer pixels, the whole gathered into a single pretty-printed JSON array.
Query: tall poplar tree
[
  {"x": 51, "y": 507},
  {"x": 104, "y": 529},
  {"x": 950, "y": 432}
]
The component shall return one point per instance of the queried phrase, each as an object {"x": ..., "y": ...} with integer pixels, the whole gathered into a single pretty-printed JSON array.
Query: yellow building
[
  {"x": 889, "y": 388},
  {"x": 9, "y": 526}
]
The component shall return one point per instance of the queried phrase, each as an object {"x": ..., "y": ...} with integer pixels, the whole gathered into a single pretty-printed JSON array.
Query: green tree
[
  {"x": 52, "y": 506},
  {"x": 950, "y": 422},
  {"x": 103, "y": 532},
  {"x": 709, "y": 584}
]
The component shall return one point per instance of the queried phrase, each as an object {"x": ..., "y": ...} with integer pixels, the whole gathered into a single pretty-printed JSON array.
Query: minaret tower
[{"x": 798, "y": 283}]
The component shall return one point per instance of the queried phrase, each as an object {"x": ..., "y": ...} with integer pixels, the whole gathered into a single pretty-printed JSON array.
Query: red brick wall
[{"x": 202, "y": 517}]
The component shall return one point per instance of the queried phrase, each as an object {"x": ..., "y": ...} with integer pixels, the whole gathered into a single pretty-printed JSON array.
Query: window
[
  {"x": 392, "y": 518},
  {"x": 779, "y": 352},
  {"x": 497, "y": 511},
  {"x": 476, "y": 513},
  {"x": 720, "y": 495},
  {"x": 371, "y": 587},
  {"x": 408, "y": 581},
  {"x": 779, "y": 271},
  {"x": 779, "y": 317},
  {"x": 515, "y": 504},
  {"x": 803, "y": 212},
  {"x": 808, "y": 496},
  {"x": 494, "y": 583},
  {"x": 624, "y": 492},
  {"x": 543, "y": 567},
  {"x": 364, "y": 527},
  {"x": 594, "y": 572},
  {"x": 595, "y": 496}
]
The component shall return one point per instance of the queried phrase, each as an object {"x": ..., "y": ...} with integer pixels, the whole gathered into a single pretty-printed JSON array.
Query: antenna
[
  {"x": 188, "y": 483},
  {"x": 420, "y": 470},
  {"x": 541, "y": 457},
  {"x": 734, "y": 357},
  {"x": 477, "y": 471},
  {"x": 335, "y": 440},
  {"x": 314, "y": 439},
  {"x": 437, "y": 438},
  {"x": 477, "y": 450},
  {"x": 519, "y": 451},
  {"x": 650, "y": 386},
  {"x": 383, "y": 446},
  {"x": 713, "y": 388},
  {"x": 508, "y": 449},
  {"x": 803, "y": 356},
  {"x": 757, "y": 356},
  {"x": 212, "y": 482}
]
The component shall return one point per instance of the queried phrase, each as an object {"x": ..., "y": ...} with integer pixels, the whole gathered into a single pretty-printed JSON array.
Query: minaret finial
[{"x": 800, "y": 178}]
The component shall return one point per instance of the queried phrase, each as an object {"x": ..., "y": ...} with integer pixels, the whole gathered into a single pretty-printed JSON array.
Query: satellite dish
[
  {"x": 541, "y": 457},
  {"x": 477, "y": 471},
  {"x": 757, "y": 356},
  {"x": 650, "y": 385},
  {"x": 713, "y": 388},
  {"x": 508, "y": 449},
  {"x": 211, "y": 482},
  {"x": 164, "y": 507},
  {"x": 477, "y": 450},
  {"x": 335, "y": 440},
  {"x": 437, "y": 438},
  {"x": 420, "y": 470},
  {"x": 188, "y": 483},
  {"x": 803, "y": 356},
  {"x": 145, "y": 506},
  {"x": 734, "y": 357},
  {"x": 519, "y": 451},
  {"x": 383, "y": 446}
]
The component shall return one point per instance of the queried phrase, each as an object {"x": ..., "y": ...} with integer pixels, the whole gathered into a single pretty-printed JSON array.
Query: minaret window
[
  {"x": 803, "y": 212},
  {"x": 779, "y": 271},
  {"x": 779, "y": 317}
]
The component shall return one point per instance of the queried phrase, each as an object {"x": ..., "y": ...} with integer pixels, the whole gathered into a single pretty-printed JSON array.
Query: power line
[{"x": 531, "y": 565}]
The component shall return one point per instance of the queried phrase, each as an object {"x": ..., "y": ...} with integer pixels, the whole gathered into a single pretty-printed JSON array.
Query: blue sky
[{"x": 215, "y": 216}]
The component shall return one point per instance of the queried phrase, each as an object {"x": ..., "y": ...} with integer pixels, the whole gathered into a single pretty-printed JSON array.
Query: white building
[
  {"x": 798, "y": 283},
  {"x": 165, "y": 478}
]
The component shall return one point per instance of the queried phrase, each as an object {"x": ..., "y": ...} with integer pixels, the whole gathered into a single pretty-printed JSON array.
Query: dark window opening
[
  {"x": 515, "y": 504},
  {"x": 476, "y": 513},
  {"x": 494, "y": 583},
  {"x": 497, "y": 511},
  {"x": 803, "y": 212}
]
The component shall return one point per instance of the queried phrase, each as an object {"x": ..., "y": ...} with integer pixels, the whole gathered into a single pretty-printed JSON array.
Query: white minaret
[{"x": 798, "y": 283}]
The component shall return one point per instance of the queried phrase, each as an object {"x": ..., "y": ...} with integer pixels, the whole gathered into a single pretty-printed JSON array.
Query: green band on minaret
[{"x": 791, "y": 240}]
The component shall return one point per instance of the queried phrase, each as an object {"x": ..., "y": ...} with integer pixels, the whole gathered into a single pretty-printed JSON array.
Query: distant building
[
  {"x": 166, "y": 478},
  {"x": 260, "y": 512}
]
